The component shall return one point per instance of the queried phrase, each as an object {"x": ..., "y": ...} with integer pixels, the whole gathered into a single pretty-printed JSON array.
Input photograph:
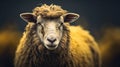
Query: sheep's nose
[{"x": 51, "y": 40}]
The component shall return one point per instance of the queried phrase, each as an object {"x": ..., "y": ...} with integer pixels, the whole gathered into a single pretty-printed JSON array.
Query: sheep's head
[{"x": 50, "y": 29}]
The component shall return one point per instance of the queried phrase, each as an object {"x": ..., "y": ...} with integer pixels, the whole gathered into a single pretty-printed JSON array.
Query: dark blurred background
[{"x": 101, "y": 18}]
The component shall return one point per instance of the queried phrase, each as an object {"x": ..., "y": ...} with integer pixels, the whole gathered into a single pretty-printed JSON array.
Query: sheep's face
[{"x": 50, "y": 30}]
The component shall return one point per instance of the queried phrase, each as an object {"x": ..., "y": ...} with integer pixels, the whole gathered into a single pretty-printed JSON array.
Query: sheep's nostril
[{"x": 51, "y": 39}]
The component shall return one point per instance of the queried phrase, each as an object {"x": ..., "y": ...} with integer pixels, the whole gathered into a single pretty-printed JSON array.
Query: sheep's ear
[
  {"x": 28, "y": 17},
  {"x": 71, "y": 17}
]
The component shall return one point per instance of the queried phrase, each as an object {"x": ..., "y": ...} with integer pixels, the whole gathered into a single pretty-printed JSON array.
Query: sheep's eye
[
  {"x": 38, "y": 23},
  {"x": 60, "y": 25}
]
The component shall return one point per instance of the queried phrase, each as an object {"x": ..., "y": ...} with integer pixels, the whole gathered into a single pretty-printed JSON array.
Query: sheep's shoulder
[
  {"x": 83, "y": 45},
  {"x": 78, "y": 40}
]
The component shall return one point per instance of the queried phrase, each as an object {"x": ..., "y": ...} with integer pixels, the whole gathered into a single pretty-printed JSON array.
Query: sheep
[{"x": 50, "y": 40}]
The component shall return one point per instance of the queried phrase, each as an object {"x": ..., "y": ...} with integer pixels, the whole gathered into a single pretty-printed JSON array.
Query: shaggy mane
[{"x": 49, "y": 11}]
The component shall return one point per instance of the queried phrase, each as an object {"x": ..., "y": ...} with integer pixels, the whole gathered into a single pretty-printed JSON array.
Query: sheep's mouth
[{"x": 51, "y": 47}]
